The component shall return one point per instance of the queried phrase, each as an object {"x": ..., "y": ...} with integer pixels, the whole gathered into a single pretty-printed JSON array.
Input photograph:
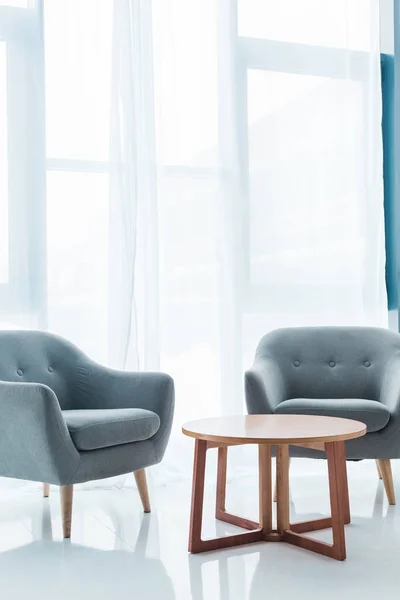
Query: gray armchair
[
  {"x": 351, "y": 372},
  {"x": 66, "y": 419}
]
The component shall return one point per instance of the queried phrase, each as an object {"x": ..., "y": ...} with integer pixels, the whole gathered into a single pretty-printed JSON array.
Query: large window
[
  {"x": 301, "y": 91},
  {"x": 78, "y": 57},
  {"x": 253, "y": 101}
]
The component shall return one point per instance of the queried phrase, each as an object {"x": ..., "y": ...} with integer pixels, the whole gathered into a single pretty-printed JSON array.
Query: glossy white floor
[{"x": 117, "y": 552}]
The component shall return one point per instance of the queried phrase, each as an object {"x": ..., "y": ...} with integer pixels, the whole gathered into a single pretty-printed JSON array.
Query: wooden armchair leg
[
  {"x": 46, "y": 490},
  {"x": 385, "y": 469},
  {"x": 141, "y": 482},
  {"x": 378, "y": 469},
  {"x": 66, "y": 493}
]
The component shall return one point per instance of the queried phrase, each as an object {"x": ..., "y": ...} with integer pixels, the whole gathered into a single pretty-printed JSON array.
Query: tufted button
[
  {"x": 296, "y": 363},
  {"x": 367, "y": 363},
  {"x": 20, "y": 372},
  {"x": 332, "y": 364},
  {"x": 50, "y": 369}
]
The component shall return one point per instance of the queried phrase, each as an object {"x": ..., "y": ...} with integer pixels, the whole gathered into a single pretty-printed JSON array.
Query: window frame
[
  {"x": 23, "y": 28},
  {"x": 283, "y": 57}
]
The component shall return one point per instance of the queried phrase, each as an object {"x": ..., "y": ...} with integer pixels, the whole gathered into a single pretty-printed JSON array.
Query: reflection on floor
[{"x": 116, "y": 551}]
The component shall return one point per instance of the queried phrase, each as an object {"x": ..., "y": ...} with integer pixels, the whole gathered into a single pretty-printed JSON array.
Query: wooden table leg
[
  {"x": 275, "y": 492},
  {"x": 221, "y": 480},
  {"x": 196, "y": 515},
  {"x": 340, "y": 510},
  {"x": 282, "y": 487},
  {"x": 196, "y": 543},
  {"x": 220, "y": 505},
  {"x": 336, "y": 470},
  {"x": 343, "y": 484},
  {"x": 265, "y": 488}
]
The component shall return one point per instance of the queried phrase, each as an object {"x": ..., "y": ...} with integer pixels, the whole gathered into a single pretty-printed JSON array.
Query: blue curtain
[{"x": 387, "y": 74}]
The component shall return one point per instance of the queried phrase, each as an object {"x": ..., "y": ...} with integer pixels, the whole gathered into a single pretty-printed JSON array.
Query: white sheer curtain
[
  {"x": 270, "y": 181},
  {"x": 214, "y": 171},
  {"x": 133, "y": 311}
]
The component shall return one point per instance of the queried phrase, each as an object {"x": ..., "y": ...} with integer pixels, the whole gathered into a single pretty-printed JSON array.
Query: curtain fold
[{"x": 133, "y": 257}]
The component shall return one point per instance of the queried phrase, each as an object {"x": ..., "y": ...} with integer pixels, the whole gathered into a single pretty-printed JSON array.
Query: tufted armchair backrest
[
  {"x": 330, "y": 362},
  {"x": 38, "y": 357}
]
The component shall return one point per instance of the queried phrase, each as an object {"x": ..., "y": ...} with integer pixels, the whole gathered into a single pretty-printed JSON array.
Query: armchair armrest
[
  {"x": 264, "y": 386},
  {"x": 101, "y": 387},
  {"x": 390, "y": 387},
  {"x": 34, "y": 441}
]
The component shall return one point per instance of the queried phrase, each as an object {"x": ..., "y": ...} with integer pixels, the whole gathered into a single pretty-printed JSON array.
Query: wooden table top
[{"x": 274, "y": 429}]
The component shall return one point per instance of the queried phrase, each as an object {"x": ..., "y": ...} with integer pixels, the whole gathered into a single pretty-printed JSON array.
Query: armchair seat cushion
[
  {"x": 102, "y": 428},
  {"x": 373, "y": 413}
]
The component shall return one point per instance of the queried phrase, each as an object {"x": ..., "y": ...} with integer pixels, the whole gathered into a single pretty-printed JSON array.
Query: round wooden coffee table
[{"x": 320, "y": 433}]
